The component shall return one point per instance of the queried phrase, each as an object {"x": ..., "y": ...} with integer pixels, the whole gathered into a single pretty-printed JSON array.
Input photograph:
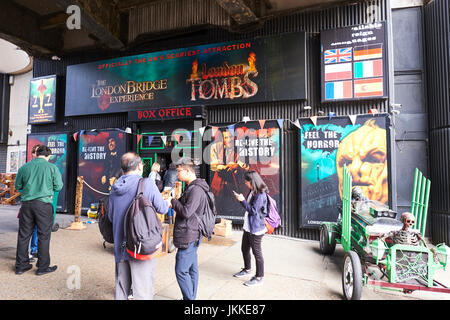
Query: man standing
[
  {"x": 131, "y": 273},
  {"x": 37, "y": 181},
  {"x": 186, "y": 234}
]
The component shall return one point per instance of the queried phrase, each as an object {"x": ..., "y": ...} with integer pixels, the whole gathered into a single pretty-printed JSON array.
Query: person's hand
[
  {"x": 103, "y": 179},
  {"x": 238, "y": 196}
]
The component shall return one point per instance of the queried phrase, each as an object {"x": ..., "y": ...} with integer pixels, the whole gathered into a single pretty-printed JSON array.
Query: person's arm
[
  {"x": 57, "y": 180},
  {"x": 154, "y": 196},
  {"x": 192, "y": 203},
  {"x": 18, "y": 183},
  {"x": 110, "y": 210},
  {"x": 257, "y": 204}
]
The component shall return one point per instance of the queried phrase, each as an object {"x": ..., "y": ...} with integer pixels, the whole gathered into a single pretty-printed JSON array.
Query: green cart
[{"x": 369, "y": 233}]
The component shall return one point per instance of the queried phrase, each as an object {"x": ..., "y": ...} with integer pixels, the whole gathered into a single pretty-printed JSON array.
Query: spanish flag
[
  {"x": 371, "y": 51},
  {"x": 368, "y": 87}
]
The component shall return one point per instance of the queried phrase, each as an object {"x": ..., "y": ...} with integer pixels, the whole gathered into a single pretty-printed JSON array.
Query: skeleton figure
[{"x": 406, "y": 235}]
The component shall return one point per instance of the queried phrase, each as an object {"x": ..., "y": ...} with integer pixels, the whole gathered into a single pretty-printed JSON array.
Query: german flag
[{"x": 370, "y": 51}]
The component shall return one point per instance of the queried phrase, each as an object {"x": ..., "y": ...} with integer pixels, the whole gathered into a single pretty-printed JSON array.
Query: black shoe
[
  {"x": 45, "y": 271},
  {"x": 20, "y": 271},
  {"x": 30, "y": 260}
]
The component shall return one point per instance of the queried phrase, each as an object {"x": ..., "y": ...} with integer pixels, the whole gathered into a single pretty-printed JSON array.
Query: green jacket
[{"x": 38, "y": 179}]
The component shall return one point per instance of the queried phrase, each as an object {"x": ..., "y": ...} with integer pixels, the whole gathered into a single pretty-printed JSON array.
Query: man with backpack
[
  {"x": 187, "y": 234},
  {"x": 133, "y": 270}
]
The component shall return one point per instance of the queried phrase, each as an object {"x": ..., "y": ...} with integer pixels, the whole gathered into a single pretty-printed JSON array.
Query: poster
[
  {"x": 42, "y": 100},
  {"x": 326, "y": 148},
  {"x": 57, "y": 142},
  {"x": 99, "y": 156},
  {"x": 241, "y": 71},
  {"x": 237, "y": 149},
  {"x": 354, "y": 62}
]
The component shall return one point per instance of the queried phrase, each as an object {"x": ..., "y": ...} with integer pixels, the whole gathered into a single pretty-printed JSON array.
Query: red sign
[{"x": 169, "y": 113}]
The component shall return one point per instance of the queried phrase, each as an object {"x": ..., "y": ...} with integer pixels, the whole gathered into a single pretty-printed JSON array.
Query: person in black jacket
[{"x": 186, "y": 234}]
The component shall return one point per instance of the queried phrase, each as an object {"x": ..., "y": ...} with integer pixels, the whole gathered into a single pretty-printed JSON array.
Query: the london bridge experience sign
[{"x": 255, "y": 70}]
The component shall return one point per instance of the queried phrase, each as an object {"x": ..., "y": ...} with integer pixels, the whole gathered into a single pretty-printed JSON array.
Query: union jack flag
[{"x": 338, "y": 55}]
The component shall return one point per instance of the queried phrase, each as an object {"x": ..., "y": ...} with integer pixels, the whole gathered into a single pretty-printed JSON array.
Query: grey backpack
[{"x": 142, "y": 228}]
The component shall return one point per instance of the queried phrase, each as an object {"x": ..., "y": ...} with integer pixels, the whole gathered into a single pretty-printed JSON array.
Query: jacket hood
[
  {"x": 125, "y": 184},
  {"x": 200, "y": 183}
]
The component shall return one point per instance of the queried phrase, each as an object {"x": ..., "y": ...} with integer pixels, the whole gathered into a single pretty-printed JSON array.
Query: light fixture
[
  {"x": 246, "y": 118},
  {"x": 320, "y": 112},
  {"x": 396, "y": 105},
  {"x": 306, "y": 107}
]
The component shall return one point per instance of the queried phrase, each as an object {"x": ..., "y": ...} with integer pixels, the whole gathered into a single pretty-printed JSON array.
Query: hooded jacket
[
  {"x": 193, "y": 200},
  {"x": 122, "y": 193}
]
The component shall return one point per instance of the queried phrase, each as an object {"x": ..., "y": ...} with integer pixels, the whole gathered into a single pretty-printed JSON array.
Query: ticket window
[{"x": 158, "y": 146}]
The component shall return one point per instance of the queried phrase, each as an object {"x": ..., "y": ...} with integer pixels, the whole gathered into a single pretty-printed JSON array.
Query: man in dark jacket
[
  {"x": 131, "y": 273},
  {"x": 186, "y": 234}
]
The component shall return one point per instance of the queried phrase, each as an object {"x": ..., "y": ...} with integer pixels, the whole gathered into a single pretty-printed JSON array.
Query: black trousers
[
  {"x": 254, "y": 242},
  {"x": 33, "y": 213}
]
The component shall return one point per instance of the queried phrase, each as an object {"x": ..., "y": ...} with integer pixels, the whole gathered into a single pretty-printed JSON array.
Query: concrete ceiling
[{"x": 42, "y": 30}]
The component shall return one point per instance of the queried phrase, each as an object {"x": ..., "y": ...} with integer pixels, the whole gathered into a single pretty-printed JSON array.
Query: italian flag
[{"x": 368, "y": 69}]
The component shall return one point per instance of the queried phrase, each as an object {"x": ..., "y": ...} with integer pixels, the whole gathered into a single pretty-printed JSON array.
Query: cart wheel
[
  {"x": 327, "y": 247},
  {"x": 55, "y": 227},
  {"x": 352, "y": 276}
]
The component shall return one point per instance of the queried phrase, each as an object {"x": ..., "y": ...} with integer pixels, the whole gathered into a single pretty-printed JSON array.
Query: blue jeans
[
  {"x": 186, "y": 270},
  {"x": 34, "y": 242}
]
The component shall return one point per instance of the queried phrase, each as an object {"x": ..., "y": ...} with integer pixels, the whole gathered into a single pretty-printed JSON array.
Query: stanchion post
[{"x": 77, "y": 224}]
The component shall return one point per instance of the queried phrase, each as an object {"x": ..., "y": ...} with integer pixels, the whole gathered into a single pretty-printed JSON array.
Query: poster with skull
[{"x": 329, "y": 145}]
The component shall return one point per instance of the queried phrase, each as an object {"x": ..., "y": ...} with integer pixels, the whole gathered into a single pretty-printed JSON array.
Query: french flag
[{"x": 338, "y": 90}]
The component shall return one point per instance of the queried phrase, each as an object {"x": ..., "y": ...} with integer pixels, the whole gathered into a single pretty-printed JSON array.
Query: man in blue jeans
[{"x": 186, "y": 234}]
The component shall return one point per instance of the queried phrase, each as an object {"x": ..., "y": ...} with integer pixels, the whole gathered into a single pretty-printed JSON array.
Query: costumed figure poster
[
  {"x": 329, "y": 145},
  {"x": 236, "y": 149},
  {"x": 42, "y": 100},
  {"x": 99, "y": 156},
  {"x": 57, "y": 142}
]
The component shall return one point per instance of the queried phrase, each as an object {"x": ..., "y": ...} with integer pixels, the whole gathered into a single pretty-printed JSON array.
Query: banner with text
[
  {"x": 99, "y": 156},
  {"x": 237, "y": 149},
  {"x": 57, "y": 142},
  {"x": 326, "y": 148},
  {"x": 254, "y": 70}
]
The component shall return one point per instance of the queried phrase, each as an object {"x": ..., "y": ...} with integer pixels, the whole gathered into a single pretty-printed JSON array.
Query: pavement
[{"x": 294, "y": 269}]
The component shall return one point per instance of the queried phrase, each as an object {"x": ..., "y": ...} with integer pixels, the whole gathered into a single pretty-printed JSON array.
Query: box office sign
[
  {"x": 99, "y": 156},
  {"x": 255, "y": 70},
  {"x": 234, "y": 151},
  {"x": 170, "y": 113},
  {"x": 354, "y": 62},
  {"x": 57, "y": 142},
  {"x": 42, "y": 100},
  {"x": 329, "y": 145}
]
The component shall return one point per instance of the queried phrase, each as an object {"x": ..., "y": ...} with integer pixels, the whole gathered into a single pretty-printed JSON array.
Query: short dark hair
[
  {"x": 43, "y": 150},
  {"x": 186, "y": 163},
  {"x": 255, "y": 179},
  {"x": 36, "y": 147},
  {"x": 130, "y": 161}
]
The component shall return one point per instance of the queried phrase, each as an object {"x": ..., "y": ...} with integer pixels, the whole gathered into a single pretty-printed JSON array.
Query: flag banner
[
  {"x": 372, "y": 51},
  {"x": 338, "y": 55},
  {"x": 368, "y": 69},
  {"x": 339, "y": 90},
  {"x": 369, "y": 87},
  {"x": 325, "y": 148},
  {"x": 339, "y": 71},
  {"x": 351, "y": 54}
]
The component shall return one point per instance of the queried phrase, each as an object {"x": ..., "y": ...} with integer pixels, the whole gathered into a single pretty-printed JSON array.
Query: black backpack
[
  {"x": 207, "y": 222},
  {"x": 142, "y": 228},
  {"x": 105, "y": 226}
]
